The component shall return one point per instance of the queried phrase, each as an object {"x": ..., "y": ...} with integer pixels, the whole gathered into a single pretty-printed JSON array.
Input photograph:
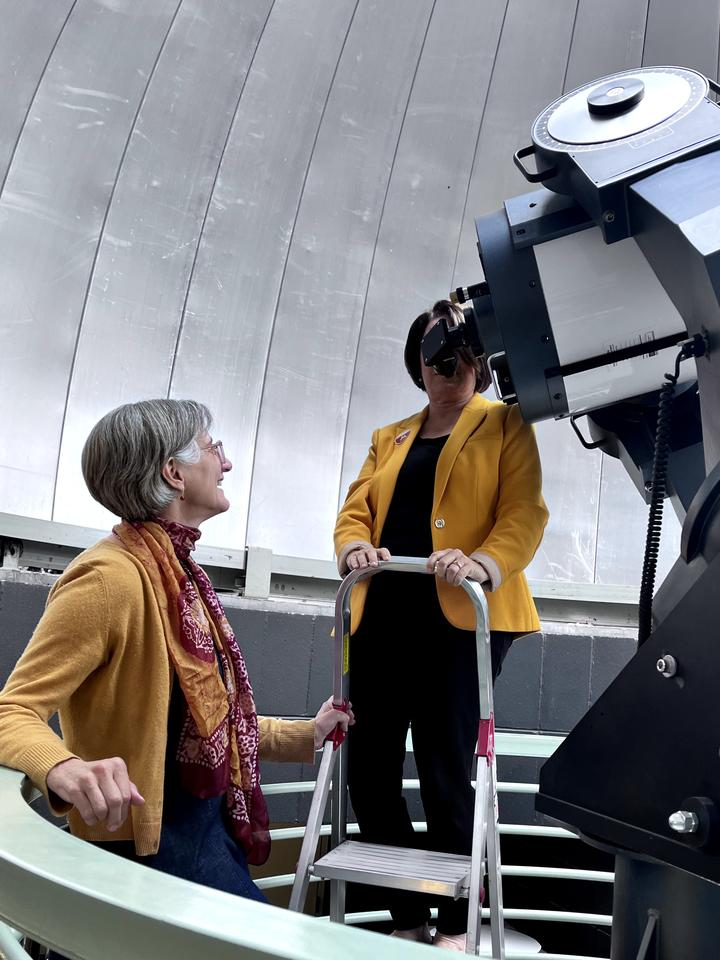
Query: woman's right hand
[
  {"x": 101, "y": 790},
  {"x": 328, "y": 717},
  {"x": 362, "y": 557}
]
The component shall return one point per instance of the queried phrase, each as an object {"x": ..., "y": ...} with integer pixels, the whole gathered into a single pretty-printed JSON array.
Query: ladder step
[{"x": 425, "y": 871}]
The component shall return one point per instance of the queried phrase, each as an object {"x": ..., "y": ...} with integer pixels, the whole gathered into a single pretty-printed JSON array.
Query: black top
[
  {"x": 176, "y": 719},
  {"x": 407, "y": 531}
]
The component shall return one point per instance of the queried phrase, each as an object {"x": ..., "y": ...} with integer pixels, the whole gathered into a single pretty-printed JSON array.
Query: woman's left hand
[
  {"x": 328, "y": 718},
  {"x": 453, "y": 566}
]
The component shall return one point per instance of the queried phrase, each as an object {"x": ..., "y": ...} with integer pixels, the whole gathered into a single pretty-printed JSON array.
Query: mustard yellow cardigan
[
  {"x": 98, "y": 657},
  {"x": 487, "y": 502}
]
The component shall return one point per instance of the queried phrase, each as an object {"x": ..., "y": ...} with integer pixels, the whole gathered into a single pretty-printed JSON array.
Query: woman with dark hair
[
  {"x": 460, "y": 483},
  {"x": 159, "y": 759}
]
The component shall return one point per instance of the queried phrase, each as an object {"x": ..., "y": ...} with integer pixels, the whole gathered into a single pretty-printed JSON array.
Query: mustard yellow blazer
[{"x": 487, "y": 502}]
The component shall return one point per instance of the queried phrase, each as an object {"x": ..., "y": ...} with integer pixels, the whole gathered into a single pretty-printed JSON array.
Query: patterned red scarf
[{"x": 218, "y": 748}]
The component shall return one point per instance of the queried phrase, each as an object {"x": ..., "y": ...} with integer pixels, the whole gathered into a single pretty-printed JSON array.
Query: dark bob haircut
[{"x": 443, "y": 309}]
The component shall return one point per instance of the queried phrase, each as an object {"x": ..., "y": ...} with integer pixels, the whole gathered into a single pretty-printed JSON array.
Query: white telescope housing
[{"x": 602, "y": 298}]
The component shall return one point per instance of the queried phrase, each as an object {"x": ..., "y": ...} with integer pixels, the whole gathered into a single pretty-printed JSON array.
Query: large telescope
[{"x": 601, "y": 298}]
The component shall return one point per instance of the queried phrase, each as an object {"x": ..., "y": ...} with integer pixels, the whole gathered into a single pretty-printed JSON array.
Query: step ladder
[{"x": 401, "y": 868}]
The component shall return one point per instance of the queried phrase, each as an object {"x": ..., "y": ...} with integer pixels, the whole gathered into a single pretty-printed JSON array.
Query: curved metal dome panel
[
  {"x": 230, "y": 318},
  {"x": 326, "y": 278},
  {"x": 248, "y": 203},
  {"x": 52, "y": 208},
  {"x": 134, "y": 313}
]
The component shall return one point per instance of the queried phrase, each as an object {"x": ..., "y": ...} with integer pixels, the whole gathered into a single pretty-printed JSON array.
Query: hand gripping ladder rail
[{"x": 400, "y": 868}]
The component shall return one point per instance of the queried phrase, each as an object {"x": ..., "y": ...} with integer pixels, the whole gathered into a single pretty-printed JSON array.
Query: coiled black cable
[
  {"x": 657, "y": 501},
  {"x": 694, "y": 347}
]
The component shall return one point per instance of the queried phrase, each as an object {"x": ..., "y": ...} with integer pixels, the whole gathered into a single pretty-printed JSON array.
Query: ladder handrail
[
  {"x": 398, "y": 565},
  {"x": 485, "y": 843}
]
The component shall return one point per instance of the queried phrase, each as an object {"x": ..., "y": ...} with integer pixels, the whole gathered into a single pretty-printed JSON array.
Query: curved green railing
[{"x": 88, "y": 904}]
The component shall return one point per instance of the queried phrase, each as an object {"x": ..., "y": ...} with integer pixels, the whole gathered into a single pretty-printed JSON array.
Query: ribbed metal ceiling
[{"x": 248, "y": 202}]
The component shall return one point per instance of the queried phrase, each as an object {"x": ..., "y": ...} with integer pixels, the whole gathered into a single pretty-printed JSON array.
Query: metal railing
[
  {"x": 90, "y": 904},
  {"x": 68, "y": 894},
  {"x": 333, "y": 769},
  {"x": 539, "y": 746}
]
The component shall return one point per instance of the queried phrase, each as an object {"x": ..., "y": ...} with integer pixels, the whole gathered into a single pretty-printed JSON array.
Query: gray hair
[{"x": 123, "y": 457}]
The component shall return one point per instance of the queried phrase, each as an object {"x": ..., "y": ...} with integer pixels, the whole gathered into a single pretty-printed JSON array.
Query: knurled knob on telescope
[
  {"x": 667, "y": 665},
  {"x": 683, "y": 821}
]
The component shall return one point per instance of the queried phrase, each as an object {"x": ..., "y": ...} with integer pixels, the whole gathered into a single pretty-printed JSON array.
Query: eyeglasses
[{"x": 218, "y": 449}]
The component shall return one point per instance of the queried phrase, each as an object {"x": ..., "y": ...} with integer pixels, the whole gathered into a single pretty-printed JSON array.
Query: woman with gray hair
[{"x": 159, "y": 759}]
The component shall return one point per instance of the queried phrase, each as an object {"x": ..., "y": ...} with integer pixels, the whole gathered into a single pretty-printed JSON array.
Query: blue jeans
[{"x": 194, "y": 845}]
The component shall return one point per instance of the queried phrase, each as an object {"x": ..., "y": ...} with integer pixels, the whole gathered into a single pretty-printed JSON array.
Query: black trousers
[{"x": 410, "y": 667}]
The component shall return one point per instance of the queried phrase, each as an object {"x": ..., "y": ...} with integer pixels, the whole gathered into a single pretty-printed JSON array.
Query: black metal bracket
[
  {"x": 541, "y": 215},
  {"x": 586, "y": 443},
  {"x": 649, "y": 948}
]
